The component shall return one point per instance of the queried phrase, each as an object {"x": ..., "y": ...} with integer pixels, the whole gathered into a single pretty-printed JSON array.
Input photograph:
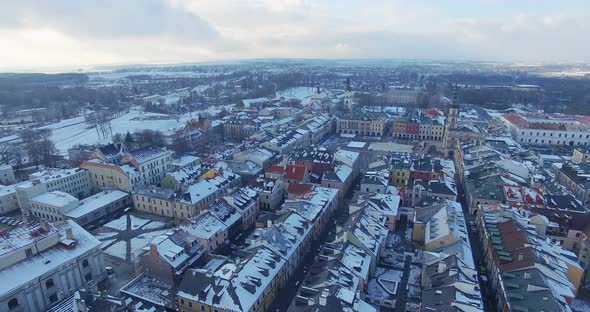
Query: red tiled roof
[
  {"x": 295, "y": 172},
  {"x": 276, "y": 169},
  {"x": 516, "y": 120},
  {"x": 299, "y": 189}
]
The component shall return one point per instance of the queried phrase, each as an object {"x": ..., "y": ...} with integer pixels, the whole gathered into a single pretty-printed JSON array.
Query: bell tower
[{"x": 348, "y": 102}]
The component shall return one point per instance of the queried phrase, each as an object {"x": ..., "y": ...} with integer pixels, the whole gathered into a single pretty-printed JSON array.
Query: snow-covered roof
[
  {"x": 46, "y": 262},
  {"x": 96, "y": 201},
  {"x": 56, "y": 199}
]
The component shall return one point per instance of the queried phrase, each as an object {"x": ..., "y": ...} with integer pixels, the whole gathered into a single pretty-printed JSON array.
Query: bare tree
[{"x": 8, "y": 152}]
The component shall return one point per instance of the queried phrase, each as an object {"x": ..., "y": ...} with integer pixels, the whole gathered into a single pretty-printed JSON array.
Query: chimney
[
  {"x": 520, "y": 257},
  {"x": 69, "y": 233},
  {"x": 153, "y": 249},
  {"x": 324, "y": 297},
  {"x": 44, "y": 224}
]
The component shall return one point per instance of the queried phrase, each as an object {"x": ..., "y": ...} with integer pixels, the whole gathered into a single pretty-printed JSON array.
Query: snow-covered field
[
  {"x": 117, "y": 250},
  {"x": 118, "y": 224},
  {"x": 70, "y": 132},
  {"x": 137, "y": 222},
  {"x": 300, "y": 93}
]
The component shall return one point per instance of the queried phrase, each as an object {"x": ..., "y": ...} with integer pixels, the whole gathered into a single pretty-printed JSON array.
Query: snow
[
  {"x": 391, "y": 147},
  {"x": 137, "y": 222},
  {"x": 105, "y": 235},
  {"x": 303, "y": 94},
  {"x": 117, "y": 250},
  {"x": 356, "y": 144},
  {"x": 153, "y": 225},
  {"x": 69, "y": 132},
  {"x": 580, "y": 305},
  {"x": 107, "y": 243},
  {"x": 118, "y": 224},
  {"x": 143, "y": 240}
]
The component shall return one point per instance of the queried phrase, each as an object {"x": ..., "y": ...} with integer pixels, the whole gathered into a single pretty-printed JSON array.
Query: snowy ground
[
  {"x": 117, "y": 250},
  {"x": 580, "y": 305},
  {"x": 300, "y": 93},
  {"x": 137, "y": 222},
  {"x": 70, "y": 132},
  {"x": 153, "y": 225},
  {"x": 105, "y": 235},
  {"x": 118, "y": 224}
]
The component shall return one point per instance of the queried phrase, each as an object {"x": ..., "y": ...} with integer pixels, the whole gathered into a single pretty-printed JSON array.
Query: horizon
[{"x": 80, "y": 34}]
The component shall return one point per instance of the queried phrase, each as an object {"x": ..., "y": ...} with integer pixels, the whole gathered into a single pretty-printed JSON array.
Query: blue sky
[{"x": 37, "y": 33}]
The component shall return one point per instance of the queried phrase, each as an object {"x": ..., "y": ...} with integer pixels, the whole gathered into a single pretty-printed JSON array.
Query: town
[{"x": 334, "y": 192}]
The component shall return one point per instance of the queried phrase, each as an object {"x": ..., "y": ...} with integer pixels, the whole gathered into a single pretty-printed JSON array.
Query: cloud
[
  {"x": 157, "y": 31},
  {"x": 108, "y": 19}
]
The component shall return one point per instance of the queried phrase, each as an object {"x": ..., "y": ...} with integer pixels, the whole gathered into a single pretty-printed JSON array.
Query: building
[
  {"x": 7, "y": 175},
  {"x": 238, "y": 129},
  {"x": 245, "y": 285},
  {"x": 75, "y": 182},
  {"x": 364, "y": 124},
  {"x": 106, "y": 176},
  {"x": 59, "y": 206},
  {"x": 260, "y": 156},
  {"x": 581, "y": 155},
  {"x": 46, "y": 263},
  {"x": 574, "y": 177},
  {"x": 526, "y": 271},
  {"x": 172, "y": 254},
  {"x": 8, "y": 199},
  {"x": 151, "y": 162},
  {"x": 547, "y": 129},
  {"x": 183, "y": 203},
  {"x": 100, "y": 206},
  {"x": 271, "y": 192}
]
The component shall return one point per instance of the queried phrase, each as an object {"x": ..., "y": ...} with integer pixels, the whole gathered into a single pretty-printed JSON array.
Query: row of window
[{"x": 551, "y": 134}]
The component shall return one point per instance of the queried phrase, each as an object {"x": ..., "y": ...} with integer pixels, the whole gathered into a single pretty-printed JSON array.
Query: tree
[
  {"x": 8, "y": 152},
  {"x": 117, "y": 138},
  {"x": 39, "y": 146}
]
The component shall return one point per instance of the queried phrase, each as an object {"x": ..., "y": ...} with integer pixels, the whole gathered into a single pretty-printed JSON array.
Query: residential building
[
  {"x": 271, "y": 192},
  {"x": 46, "y": 263},
  {"x": 365, "y": 124},
  {"x": 7, "y": 175},
  {"x": 106, "y": 176},
  {"x": 8, "y": 199},
  {"x": 171, "y": 255},
  {"x": 75, "y": 182},
  {"x": 548, "y": 129},
  {"x": 151, "y": 162}
]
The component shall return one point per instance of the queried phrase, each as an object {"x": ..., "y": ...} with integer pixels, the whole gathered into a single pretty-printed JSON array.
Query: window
[
  {"x": 49, "y": 283},
  {"x": 88, "y": 277},
  {"x": 85, "y": 263},
  {"x": 53, "y": 298},
  {"x": 28, "y": 252},
  {"x": 13, "y": 304}
]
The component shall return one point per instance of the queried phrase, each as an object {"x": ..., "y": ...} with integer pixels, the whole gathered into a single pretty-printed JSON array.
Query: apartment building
[{"x": 45, "y": 263}]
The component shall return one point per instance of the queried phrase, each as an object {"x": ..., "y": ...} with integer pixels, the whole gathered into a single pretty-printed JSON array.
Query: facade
[
  {"x": 271, "y": 192},
  {"x": 151, "y": 162},
  {"x": 75, "y": 182},
  {"x": 100, "y": 206},
  {"x": 574, "y": 177},
  {"x": 7, "y": 175},
  {"x": 46, "y": 263},
  {"x": 547, "y": 129},
  {"x": 172, "y": 255},
  {"x": 8, "y": 199},
  {"x": 106, "y": 176},
  {"x": 365, "y": 124},
  {"x": 581, "y": 155}
]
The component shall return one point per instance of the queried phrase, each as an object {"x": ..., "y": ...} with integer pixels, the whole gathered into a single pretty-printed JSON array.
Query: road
[{"x": 486, "y": 293}]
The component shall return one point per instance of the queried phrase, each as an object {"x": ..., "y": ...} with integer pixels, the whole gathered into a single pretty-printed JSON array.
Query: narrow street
[{"x": 486, "y": 293}]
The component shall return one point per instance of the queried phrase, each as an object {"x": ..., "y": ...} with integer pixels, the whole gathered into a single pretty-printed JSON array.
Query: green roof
[{"x": 505, "y": 258}]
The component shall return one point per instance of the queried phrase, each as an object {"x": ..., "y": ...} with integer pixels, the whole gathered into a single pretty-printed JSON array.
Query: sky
[{"x": 80, "y": 33}]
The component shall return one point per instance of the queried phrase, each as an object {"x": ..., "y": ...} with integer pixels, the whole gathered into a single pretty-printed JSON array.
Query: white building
[
  {"x": 152, "y": 163},
  {"x": 75, "y": 182},
  {"x": 52, "y": 206},
  {"x": 7, "y": 175},
  {"x": 532, "y": 129},
  {"x": 46, "y": 263},
  {"x": 8, "y": 200}
]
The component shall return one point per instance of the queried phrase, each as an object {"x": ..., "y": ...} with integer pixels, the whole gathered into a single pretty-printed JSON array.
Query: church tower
[
  {"x": 348, "y": 103},
  {"x": 453, "y": 111},
  {"x": 449, "y": 140}
]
